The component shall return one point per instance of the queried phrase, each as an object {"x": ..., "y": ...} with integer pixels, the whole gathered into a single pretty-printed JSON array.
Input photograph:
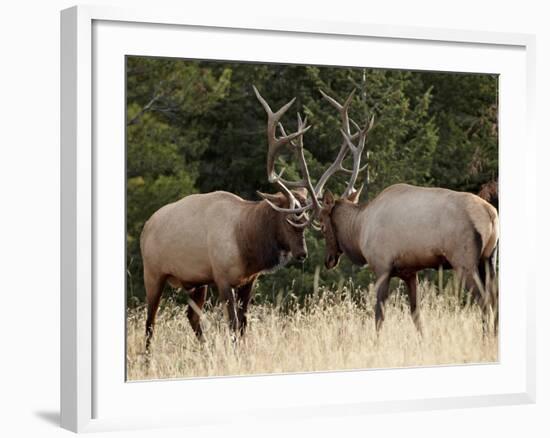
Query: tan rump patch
[{"x": 485, "y": 219}]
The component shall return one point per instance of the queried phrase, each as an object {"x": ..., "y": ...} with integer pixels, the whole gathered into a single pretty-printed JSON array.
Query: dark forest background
[{"x": 196, "y": 126}]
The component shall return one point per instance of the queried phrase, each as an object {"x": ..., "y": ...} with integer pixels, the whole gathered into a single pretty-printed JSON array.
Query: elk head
[
  {"x": 290, "y": 203},
  {"x": 333, "y": 250},
  {"x": 290, "y": 227}
]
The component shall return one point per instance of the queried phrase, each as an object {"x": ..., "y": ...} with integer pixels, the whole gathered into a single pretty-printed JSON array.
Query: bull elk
[
  {"x": 219, "y": 238},
  {"x": 405, "y": 229}
]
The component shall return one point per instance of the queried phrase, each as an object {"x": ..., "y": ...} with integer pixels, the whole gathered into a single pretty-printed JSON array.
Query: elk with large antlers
[
  {"x": 219, "y": 238},
  {"x": 405, "y": 229}
]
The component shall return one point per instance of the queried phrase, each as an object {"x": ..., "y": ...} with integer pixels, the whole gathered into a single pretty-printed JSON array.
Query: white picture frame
[{"x": 92, "y": 393}]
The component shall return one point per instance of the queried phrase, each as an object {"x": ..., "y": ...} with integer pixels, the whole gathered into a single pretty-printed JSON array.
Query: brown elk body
[
  {"x": 406, "y": 229},
  {"x": 215, "y": 238},
  {"x": 219, "y": 238}
]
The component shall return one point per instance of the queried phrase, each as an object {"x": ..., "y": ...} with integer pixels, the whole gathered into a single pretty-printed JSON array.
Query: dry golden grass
[{"x": 332, "y": 332}]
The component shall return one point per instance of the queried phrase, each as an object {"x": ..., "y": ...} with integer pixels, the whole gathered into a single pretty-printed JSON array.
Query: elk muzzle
[{"x": 300, "y": 255}]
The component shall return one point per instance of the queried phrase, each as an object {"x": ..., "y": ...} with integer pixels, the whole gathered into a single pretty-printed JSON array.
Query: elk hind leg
[
  {"x": 487, "y": 270},
  {"x": 494, "y": 288},
  {"x": 469, "y": 269},
  {"x": 474, "y": 284},
  {"x": 197, "y": 298}
]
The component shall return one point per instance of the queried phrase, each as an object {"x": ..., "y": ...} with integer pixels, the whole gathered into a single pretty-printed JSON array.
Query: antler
[
  {"x": 298, "y": 148},
  {"x": 295, "y": 141},
  {"x": 276, "y": 143},
  {"x": 356, "y": 151},
  {"x": 337, "y": 166}
]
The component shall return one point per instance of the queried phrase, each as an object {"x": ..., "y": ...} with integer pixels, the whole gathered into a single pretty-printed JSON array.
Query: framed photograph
[{"x": 262, "y": 208}]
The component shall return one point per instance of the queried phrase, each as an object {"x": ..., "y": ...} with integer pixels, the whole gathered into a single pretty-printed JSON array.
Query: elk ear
[
  {"x": 277, "y": 199},
  {"x": 328, "y": 200},
  {"x": 354, "y": 196}
]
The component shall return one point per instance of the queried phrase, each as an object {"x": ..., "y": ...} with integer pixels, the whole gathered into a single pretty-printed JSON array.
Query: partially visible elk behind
[
  {"x": 405, "y": 229},
  {"x": 219, "y": 238},
  {"x": 489, "y": 192}
]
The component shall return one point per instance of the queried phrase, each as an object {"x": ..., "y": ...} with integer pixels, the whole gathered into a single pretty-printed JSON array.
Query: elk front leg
[
  {"x": 154, "y": 286},
  {"x": 411, "y": 281},
  {"x": 197, "y": 297},
  {"x": 382, "y": 287},
  {"x": 227, "y": 295},
  {"x": 244, "y": 294}
]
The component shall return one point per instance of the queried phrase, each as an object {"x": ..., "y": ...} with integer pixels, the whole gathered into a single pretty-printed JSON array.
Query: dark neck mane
[
  {"x": 257, "y": 237},
  {"x": 344, "y": 222}
]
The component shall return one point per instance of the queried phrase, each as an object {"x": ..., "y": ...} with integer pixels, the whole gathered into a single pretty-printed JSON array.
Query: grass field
[{"x": 333, "y": 330}]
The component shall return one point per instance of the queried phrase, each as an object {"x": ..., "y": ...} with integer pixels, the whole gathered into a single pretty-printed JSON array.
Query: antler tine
[
  {"x": 274, "y": 142},
  {"x": 347, "y": 144},
  {"x": 355, "y": 125},
  {"x": 356, "y": 151},
  {"x": 337, "y": 104},
  {"x": 275, "y": 116},
  {"x": 371, "y": 123},
  {"x": 342, "y": 109},
  {"x": 332, "y": 169},
  {"x": 349, "y": 171},
  {"x": 337, "y": 166},
  {"x": 296, "y": 143},
  {"x": 305, "y": 182},
  {"x": 294, "y": 210},
  {"x": 348, "y": 141},
  {"x": 288, "y": 193}
]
